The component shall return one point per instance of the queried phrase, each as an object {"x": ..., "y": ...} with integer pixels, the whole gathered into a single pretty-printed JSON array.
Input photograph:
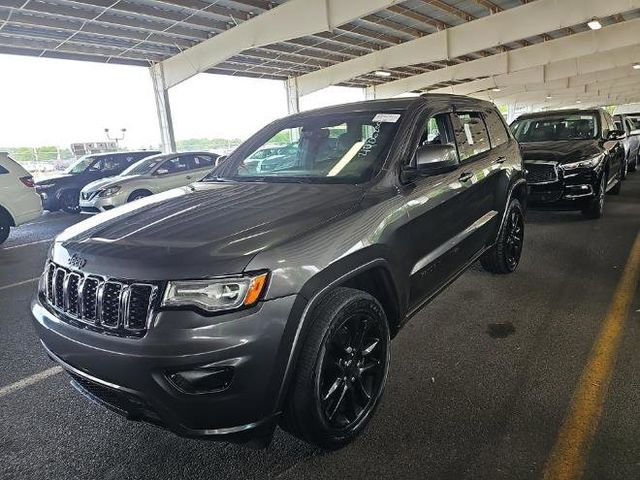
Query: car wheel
[
  {"x": 634, "y": 166},
  {"x": 341, "y": 372},
  {"x": 137, "y": 195},
  {"x": 5, "y": 228},
  {"x": 625, "y": 169},
  {"x": 70, "y": 202},
  {"x": 504, "y": 256},
  {"x": 595, "y": 208}
]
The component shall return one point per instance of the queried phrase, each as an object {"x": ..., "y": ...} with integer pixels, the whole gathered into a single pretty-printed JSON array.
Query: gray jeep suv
[{"x": 252, "y": 299}]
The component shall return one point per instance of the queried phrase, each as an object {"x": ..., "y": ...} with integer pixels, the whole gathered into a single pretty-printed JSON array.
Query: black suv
[
  {"x": 250, "y": 299},
  {"x": 630, "y": 125},
  {"x": 572, "y": 158},
  {"x": 63, "y": 192}
]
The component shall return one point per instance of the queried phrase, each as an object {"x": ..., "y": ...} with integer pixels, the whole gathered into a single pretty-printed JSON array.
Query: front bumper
[
  {"x": 572, "y": 191},
  {"x": 100, "y": 204},
  {"x": 130, "y": 375},
  {"x": 50, "y": 200}
]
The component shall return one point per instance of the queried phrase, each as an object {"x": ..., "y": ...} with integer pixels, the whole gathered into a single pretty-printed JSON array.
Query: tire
[
  {"x": 137, "y": 195},
  {"x": 70, "y": 202},
  {"x": 341, "y": 371},
  {"x": 505, "y": 255},
  {"x": 634, "y": 166},
  {"x": 625, "y": 169},
  {"x": 595, "y": 208},
  {"x": 5, "y": 227}
]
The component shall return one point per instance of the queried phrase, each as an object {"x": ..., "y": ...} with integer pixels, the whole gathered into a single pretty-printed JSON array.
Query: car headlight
[
  {"x": 216, "y": 294},
  {"x": 589, "y": 163},
  {"x": 110, "y": 192}
]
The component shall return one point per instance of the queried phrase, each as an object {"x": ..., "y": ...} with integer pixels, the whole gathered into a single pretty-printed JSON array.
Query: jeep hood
[{"x": 201, "y": 230}]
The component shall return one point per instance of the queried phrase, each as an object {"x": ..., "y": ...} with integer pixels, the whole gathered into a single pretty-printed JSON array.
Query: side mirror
[
  {"x": 220, "y": 160},
  {"x": 616, "y": 135},
  {"x": 436, "y": 159},
  {"x": 162, "y": 171}
]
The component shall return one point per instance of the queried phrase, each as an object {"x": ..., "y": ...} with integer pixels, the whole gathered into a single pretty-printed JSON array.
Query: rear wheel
[
  {"x": 70, "y": 202},
  {"x": 5, "y": 227},
  {"x": 595, "y": 208},
  {"x": 504, "y": 256},
  {"x": 341, "y": 372}
]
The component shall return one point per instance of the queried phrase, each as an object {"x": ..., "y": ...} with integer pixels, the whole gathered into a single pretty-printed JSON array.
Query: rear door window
[
  {"x": 200, "y": 161},
  {"x": 470, "y": 133}
]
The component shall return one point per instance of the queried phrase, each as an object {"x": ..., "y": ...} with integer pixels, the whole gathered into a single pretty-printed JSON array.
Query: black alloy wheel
[
  {"x": 352, "y": 371},
  {"x": 70, "y": 202},
  {"x": 341, "y": 371},
  {"x": 504, "y": 256},
  {"x": 514, "y": 238}
]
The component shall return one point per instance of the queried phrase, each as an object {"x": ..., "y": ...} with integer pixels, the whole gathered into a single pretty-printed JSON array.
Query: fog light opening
[{"x": 202, "y": 380}]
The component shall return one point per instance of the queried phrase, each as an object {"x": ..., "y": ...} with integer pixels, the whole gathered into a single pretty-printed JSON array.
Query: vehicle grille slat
[
  {"x": 541, "y": 172},
  {"x": 116, "y": 306}
]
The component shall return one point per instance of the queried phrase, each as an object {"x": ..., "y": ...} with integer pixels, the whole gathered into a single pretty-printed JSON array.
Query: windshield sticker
[{"x": 386, "y": 117}]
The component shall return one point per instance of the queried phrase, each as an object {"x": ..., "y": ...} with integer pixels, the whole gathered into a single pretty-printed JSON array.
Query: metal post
[
  {"x": 293, "y": 99},
  {"x": 161, "y": 94},
  {"x": 511, "y": 112},
  {"x": 370, "y": 92}
]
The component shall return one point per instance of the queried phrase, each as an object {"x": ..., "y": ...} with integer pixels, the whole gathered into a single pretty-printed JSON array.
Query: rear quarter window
[
  {"x": 3, "y": 170},
  {"x": 497, "y": 128}
]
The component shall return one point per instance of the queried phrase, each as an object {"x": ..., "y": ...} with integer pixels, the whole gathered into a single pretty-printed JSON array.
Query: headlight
[
  {"x": 216, "y": 294},
  {"x": 110, "y": 192},
  {"x": 590, "y": 163}
]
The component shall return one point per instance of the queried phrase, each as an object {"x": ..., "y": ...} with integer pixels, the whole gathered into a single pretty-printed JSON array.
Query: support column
[
  {"x": 161, "y": 94},
  {"x": 511, "y": 112},
  {"x": 293, "y": 97},
  {"x": 370, "y": 92}
]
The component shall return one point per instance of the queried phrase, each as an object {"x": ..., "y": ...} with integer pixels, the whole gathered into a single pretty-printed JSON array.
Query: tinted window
[
  {"x": 174, "y": 165},
  {"x": 556, "y": 127},
  {"x": 201, "y": 161},
  {"x": 497, "y": 129},
  {"x": 470, "y": 133}
]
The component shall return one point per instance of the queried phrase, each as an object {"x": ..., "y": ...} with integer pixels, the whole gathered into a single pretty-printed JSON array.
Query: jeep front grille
[
  {"x": 539, "y": 172},
  {"x": 120, "y": 307}
]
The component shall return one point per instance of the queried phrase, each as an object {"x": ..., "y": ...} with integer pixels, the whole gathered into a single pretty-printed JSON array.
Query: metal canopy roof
[{"x": 145, "y": 32}]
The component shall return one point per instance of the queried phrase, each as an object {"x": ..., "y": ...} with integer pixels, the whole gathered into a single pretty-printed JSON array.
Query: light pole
[{"x": 116, "y": 139}]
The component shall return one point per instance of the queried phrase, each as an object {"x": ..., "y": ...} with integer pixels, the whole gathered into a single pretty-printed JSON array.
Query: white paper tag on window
[
  {"x": 386, "y": 117},
  {"x": 467, "y": 131}
]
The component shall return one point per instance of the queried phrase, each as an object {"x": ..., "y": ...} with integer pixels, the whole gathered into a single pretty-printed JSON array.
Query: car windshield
[
  {"x": 143, "y": 167},
  {"x": 80, "y": 165},
  {"x": 324, "y": 149},
  {"x": 556, "y": 127}
]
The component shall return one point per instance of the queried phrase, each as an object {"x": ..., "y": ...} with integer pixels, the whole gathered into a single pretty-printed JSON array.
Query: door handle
[
  {"x": 465, "y": 176},
  {"x": 188, "y": 177},
  {"x": 500, "y": 159}
]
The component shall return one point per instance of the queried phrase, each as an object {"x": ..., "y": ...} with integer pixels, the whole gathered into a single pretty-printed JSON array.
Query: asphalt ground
[{"x": 480, "y": 383}]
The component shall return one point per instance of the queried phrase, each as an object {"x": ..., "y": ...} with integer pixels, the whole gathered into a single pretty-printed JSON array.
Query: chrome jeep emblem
[{"x": 76, "y": 261}]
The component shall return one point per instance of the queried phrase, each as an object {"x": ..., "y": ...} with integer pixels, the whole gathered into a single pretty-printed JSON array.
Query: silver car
[{"x": 152, "y": 175}]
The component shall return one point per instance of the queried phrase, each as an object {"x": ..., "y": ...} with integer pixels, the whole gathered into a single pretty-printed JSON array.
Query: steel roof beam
[
  {"x": 487, "y": 32},
  {"x": 565, "y": 49},
  {"x": 293, "y": 19}
]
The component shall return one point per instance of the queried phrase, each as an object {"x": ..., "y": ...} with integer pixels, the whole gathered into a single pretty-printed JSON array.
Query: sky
[{"x": 58, "y": 102}]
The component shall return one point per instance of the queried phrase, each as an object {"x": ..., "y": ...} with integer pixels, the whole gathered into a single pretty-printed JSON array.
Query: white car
[
  {"x": 19, "y": 202},
  {"x": 152, "y": 175}
]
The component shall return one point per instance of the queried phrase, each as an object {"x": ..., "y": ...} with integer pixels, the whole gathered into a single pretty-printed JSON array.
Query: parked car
[
  {"x": 572, "y": 157},
  {"x": 224, "y": 307},
  {"x": 631, "y": 127},
  {"x": 19, "y": 202},
  {"x": 152, "y": 175},
  {"x": 63, "y": 192}
]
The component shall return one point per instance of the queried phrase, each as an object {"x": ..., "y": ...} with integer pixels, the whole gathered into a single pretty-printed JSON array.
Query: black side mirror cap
[
  {"x": 616, "y": 135},
  {"x": 436, "y": 159}
]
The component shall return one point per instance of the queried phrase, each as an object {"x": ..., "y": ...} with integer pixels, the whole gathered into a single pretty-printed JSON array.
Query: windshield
[
  {"x": 80, "y": 165},
  {"x": 143, "y": 167},
  {"x": 556, "y": 127},
  {"x": 346, "y": 148}
]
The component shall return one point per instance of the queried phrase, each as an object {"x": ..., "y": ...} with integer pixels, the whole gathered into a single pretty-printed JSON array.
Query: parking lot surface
[{"x": 480, "y": 383}]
